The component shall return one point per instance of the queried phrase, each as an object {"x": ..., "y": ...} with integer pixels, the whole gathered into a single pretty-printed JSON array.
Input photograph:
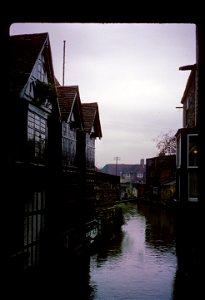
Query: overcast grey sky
[{"x": 132, "y": 71}]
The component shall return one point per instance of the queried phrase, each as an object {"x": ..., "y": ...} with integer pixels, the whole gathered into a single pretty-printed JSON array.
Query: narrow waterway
[
  {"x": 140, "y": 263},
  {"x": 148, "y": 259}
]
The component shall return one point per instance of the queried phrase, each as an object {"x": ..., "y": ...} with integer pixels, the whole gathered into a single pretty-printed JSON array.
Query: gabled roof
[
  {"x": 68, "y": 97},
  {"x": 91, "y": 118},
  {"x": 123, "y": 168},
  {"x": 24, "y": 51}
]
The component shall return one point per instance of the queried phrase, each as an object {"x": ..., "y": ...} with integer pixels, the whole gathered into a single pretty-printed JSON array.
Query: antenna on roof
[
  {"x": 63, "y": 62},
  {"x": 116, "y": 159}
]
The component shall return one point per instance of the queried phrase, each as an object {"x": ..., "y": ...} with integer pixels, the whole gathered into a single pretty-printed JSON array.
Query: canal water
[
  {"x": 146, "y": 260},
  {"x": 140, "y": 262}
]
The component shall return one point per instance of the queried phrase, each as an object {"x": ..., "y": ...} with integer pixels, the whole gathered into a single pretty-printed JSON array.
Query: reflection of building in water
[{"x": 160, "y": 226}]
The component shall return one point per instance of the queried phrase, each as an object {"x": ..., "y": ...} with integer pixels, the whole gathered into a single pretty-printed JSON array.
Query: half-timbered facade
[
  {"x": 52, "y": 159},
  {"x": 80, "y": 127},
  {"x": 71, "y": 122},
  {"x": 71, "y": 179},
  {"x": 92, "y": 130},
  {"x": 35, "y": 123}
]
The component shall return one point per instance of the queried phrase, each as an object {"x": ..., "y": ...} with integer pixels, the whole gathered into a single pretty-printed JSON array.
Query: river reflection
[
  {"x": 153, "y": 257},
  {"x": 141, "y": 262}
]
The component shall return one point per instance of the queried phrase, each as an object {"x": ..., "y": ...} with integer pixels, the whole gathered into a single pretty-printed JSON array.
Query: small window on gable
[
  {"x": 72, "y": 121},
  {"x": 41, "y": 70},
  {"x": 92, "y": 133},
  {"x": 72, "y": 117}
]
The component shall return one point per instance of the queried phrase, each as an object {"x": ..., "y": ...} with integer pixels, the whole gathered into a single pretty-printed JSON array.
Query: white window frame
[
  {"x": 178, "y": 152},
  {"x": 188, "y": 136},
  {"x": 191, "y": 199},
  {"x": 189, "y": 168}
]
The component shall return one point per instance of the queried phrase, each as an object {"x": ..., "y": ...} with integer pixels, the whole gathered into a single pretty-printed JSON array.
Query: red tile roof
[
  {"x": 66, "y": 96},
  {"x": 91, "y": 118},
  {"x": 69, "y": 101}
]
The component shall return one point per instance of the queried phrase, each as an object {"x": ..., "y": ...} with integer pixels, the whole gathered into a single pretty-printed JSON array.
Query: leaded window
[
  {"x": 37, "y": 137},
  {"x": 90, "y": 151},
  {"x": 34, "y": 226},
  {"x": 68, "y": 145}
]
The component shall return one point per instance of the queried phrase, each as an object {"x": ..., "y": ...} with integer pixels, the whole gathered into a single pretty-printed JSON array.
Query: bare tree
[{"x": 166, "y": 143}]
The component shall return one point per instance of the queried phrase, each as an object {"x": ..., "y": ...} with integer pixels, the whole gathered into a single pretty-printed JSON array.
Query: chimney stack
[{"x": 142, "y": 162}]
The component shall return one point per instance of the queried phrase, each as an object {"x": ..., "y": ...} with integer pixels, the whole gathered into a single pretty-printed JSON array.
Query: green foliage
[{"x": 44, "y": 90}]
